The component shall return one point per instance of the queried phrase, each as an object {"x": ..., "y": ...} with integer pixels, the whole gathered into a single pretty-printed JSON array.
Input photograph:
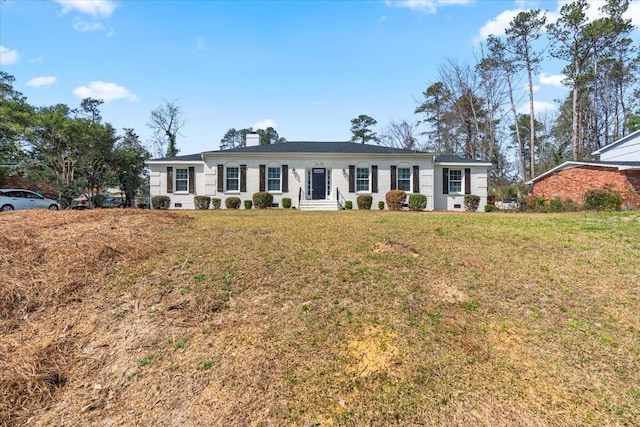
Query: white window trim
[
  {"x": 273, "y": 166},
  {"x": 175, "y": 181},
  {"x": 461, "y": 192},
  {"x": 368, "y": 168},
  {"x": 226, "y": 185},
  {"x": 410, "y": 179}
]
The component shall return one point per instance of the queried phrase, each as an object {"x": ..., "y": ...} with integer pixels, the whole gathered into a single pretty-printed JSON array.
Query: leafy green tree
[
  {"x": 633, "y": 124},
  {"x": 501, "y": 62},
  {"x": 361, "y": 129},
  {"x": 128, "y": 165},
  {"x": 436, "y": 97},
  {"x": 269, "y": 136},
  {"x": 16, "y": 118},
  {"x": 522, "y": 33},
  {"x": 233, "y": 139}
]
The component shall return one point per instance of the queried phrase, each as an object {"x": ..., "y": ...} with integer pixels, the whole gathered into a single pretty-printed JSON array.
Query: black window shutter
[
  {"x": 393, "y": 177},
  {"x": 243, "y": 178},
  {"x": 416, "y": 179},
  {"x": 467, "y": 181},
  {"x": 262, "y": 178},
  {"x": 221, "y": 178},
  {"x": 352, "y": 183},
  {"x": 192, "y": 179},
  {"x": 445, "y": 181},
  {"x": 285, "y": 178},
  {"x": 374, "y": 179},
  {"x": 169, "y": 179}
]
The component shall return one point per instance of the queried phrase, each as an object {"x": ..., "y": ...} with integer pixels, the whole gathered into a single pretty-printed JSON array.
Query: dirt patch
[
  {"x": 373, "y": 353},
  {"x": 390, "y": 246},
  {"x": 53, "y": 263}
]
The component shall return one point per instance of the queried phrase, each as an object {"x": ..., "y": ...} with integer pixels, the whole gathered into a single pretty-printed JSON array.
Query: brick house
[{"x": 618, "y": 168}]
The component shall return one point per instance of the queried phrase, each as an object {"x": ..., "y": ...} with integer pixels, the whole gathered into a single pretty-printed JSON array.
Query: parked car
[
  {"x": 111, "y": 202},
  {"x": 18, "y": 199},
  {"x": 80, "y": 203}
]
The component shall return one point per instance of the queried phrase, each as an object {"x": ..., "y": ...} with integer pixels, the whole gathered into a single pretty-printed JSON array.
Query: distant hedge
[
  {"x": 395, "y": 199},
  {"x": 202, "y": 202},
  {"x": 232, "y": 203},
  {"x": 160, "y": 202},
  {"x": 262, "y": 200}
]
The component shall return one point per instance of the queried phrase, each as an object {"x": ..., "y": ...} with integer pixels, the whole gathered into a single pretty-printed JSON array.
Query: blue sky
[{"x": 304, "y": 67}]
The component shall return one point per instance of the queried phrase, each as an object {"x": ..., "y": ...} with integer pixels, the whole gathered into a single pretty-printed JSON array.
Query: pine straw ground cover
[{"x": 274, "y": 317}]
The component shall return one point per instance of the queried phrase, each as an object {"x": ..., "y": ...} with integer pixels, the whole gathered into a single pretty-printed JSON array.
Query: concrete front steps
[{"x": 319, "y": 205}]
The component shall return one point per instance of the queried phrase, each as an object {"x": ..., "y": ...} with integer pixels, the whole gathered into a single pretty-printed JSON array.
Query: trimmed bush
[
  {"x": 262, "y": 200},
  {"x": 216, "y": 203},
  {"x": 286, "y": 202},
  {"x": 395, "y": 199},
  {"x": 160, "y": 202},
  {"x": 604, "y": 199},
  {"x": 381, "y": 205},
  {"x": 248, "y": 204},
  {"x": 364, "y": 201},
  {"x": 348, "y": 204},
  {"x": 471, "y": 202},
  {"x": 202, "y": 202},
  {"x": 232, "y": 202},
  {"x": 489, "y": 208},
  {"x": 417, "y": 202}
]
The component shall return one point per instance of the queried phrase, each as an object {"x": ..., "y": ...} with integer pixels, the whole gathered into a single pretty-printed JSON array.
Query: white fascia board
[
  {"x": 569, "y": 165},
  {"x": 480, "y": 165},
  {"x": 615, "y": 143}
]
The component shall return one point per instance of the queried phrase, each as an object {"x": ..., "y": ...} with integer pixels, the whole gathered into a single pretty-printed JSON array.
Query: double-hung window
[
  {"x": 404, "y": 179},
  {"x": 273, "y": 179},
  {"x": 362, "y": 179},
  {"x": 182, "y": 180},
  {"x": 233, "y": 179},
  {"x": 455, "y": 181}
]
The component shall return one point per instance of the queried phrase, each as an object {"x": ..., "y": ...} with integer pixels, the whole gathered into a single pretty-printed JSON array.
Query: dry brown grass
[{"x": 291, "y": 318}]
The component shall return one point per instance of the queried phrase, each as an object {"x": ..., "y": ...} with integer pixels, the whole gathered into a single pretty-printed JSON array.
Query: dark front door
[{"x": 318, "y": 183}]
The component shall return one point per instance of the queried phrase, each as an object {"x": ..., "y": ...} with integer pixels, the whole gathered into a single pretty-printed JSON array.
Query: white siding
[{"x": 628, "y": 151}]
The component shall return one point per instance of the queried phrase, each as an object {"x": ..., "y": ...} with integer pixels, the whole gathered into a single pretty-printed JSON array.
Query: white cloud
[
  {"x": 552, "y": 80},
  {"x": 83, "y": 26},
  {"x": 538, "y": 107},
  {"x": 536, "y": 88},
  {"x": 8, "y": 57},
  {"x": 428, "y": 6},
  {"x": 266, "y": 123},
  {"x": 95, "y": 8},
  {"x": 42, "y": 81},
  {"x": 105, "y": 91},
  {"x": 497, "y": 25}
]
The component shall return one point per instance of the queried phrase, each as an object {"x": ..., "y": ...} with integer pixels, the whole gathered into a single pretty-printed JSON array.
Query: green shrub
[
  {"x": 395, "y": 199},
  {"x": 248, "y": 204},
  {"x": 605, "y": 199},
  {"x": 202, "y": 202},
  {"x": 160, "y": 202},
  {"x": 262, "y": 200},
  {"x": 381, "y": 205},
  {"x": 364, "y": 201},
  {"x": 216, "y": 203},
  {"x": 286, "y": 202},
  {"x": 232, "y": 203},
  {"x": 417, "y": 202},
  {"x": 471, "y": 202},
  {"x": 348, "y": 204},
  {"x": 489, "y": 208}
]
